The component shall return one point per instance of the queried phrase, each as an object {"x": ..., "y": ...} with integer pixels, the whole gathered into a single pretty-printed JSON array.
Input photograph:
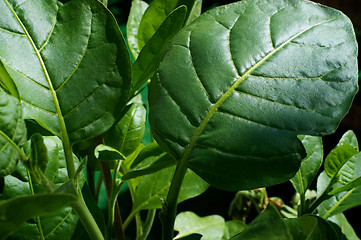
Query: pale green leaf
[
  {"x": 345, "y": 226},
  {"x": 106, "y": 153},
  {"x": 349, "y": 138},
  {"x": 210, "y": 227}
]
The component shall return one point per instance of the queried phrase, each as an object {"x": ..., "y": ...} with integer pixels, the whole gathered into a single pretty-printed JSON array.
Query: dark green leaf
[
  {"x": 135, "y": 16},
  {"x": 148, "y": 60},
  {"x": 69, "y": 62},
  {"x": 12, "y": 133},
  {"x": 316, "y": 228},
  {"x": 232, "y": 228},
  {"x": 17, "y": 210},
  {"x": 238, "y": 85},
  {"x": 126, "y": 135},
  {"x": 310, "y": 165},
  {"x": 210, "y": 227},
  {"x": 268, "y": 225},
  {"x": 194, "y": 9},
  {"x": 151, "y": 159},
  {"x": 106, "y": 153},
  {"x": 153, "y": 187}
]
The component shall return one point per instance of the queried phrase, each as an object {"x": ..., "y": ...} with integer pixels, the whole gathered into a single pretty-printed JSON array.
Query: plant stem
[
  {"x": 169, "y": 211},
  {"x": 148, "y": 224},
  {"x": 87, "y": 219}
]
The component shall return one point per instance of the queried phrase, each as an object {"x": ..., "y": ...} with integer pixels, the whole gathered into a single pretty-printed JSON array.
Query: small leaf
[
  {"x": 148, "y": 59},
  {"x": 12, "y": 133},
  {"x": 349, "y": 138},
  {"x": 310, "y": 165},
  {"x": 268, "y": 225},
  {"x": 128, "y": 133},
  {"x": 151, "y": 159},
  {"x": 106, "y": 153},
  {"x": 135, "y": 16},
  {"x": 210, "y": 227},
  {"x": 153, "y": 17},
  {"x": 155, "y": 186},
  {"x": 17, "y": 210},
  {"x": 337, "y": 158},
  {"x": 7, "y": 82}
]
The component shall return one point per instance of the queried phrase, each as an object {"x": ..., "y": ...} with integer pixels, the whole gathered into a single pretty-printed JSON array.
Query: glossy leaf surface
[
  {"x": 210, "y": 227},
  {"x": 12, "y": 133},
  {"x": 310, "y": 165},
  {"x": 349, "y": 138},
  {"x": 345, "y": 226},
  {"x": 238, "y": 85},
  {"x": 62, "y": 222},
  {"x": 69, "y": 62},
  {"x": 129, "y": 131},
  {"x": 153, "y": 187},
  {"x": 268, "y": 225}
]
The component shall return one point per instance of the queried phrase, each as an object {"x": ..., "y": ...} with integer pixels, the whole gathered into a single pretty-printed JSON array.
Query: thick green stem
[
  {"x": 87, "y": 219},
  {"x": 169, "y": 211}
]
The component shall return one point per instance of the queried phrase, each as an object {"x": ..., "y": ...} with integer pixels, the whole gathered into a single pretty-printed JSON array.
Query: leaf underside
[
  {"x": 69, "y": 62},
  {"x": 238, "y": 85}
]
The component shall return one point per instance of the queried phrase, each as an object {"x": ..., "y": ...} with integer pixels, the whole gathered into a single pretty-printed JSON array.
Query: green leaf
[
  {"x": 346, "y": 228},
  {"x": 7, "y": 82},
  {"x": 232, "y": 228},
  {"x": 61, "y": 223},
  {"x": 151, "y": 159},
  {"x": 339, "y": 202},
  {"x": 153, "y": 187},
  {"x": 194, "y": 9},
  {"x": 148, "y": 60},
  {"x": 153, "y": 17},
  {"x": 310, "y": 165},
  {"x": 135, "y": 16},
  {"x": 12, "y": 133},
  {"x": 106, "y": 153},
  {"x": 337, "y": 158},
  {"x": 17, "y": 210},
  {"x": 311, "y": 227},
  {"x": 268, "y": 225},
  {"x": 69, "y": 62},
  {"x": 236, "y": 87},
  {"x": 126, "y": 135},
  {"x": 210, "y": 227},
  {"x": 349, "y": 138}
]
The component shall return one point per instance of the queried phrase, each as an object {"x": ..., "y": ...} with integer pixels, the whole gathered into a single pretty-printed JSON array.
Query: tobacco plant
[{"x": 235, "y": 94}]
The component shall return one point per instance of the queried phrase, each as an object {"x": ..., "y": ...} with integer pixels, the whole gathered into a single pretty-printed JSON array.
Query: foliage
[{"x": 239, "y": 98}]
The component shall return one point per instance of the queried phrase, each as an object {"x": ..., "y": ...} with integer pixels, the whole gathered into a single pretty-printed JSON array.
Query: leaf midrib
[
  {"x": 47, "y": 76},
  {"x": 216, "y": 105}
]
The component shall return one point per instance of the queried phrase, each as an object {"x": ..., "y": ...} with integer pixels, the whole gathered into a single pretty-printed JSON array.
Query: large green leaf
[
  {"x": 69, "y": 62},
  {"x": 345, "y": 226},
  {"x": 237, "y": 86},
  {"x": 12, "y": 133},
  {"x": 210, "y": 227},
  {"x": 62, "y": 222},
  {"x": 310, "y": 165}
]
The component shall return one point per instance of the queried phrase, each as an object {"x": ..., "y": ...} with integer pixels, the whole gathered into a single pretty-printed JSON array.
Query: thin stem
[
  {"x": 148, "y": 224},
  {"x": 87, "y": 219},
  {"x": 169, "y": 211}
]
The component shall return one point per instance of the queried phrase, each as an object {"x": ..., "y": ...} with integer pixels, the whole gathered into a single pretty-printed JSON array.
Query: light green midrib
[
  {"x": 338, "y": 203},
  {"x": 215, "y": 106},
  {"x": 64, "y": 134}
]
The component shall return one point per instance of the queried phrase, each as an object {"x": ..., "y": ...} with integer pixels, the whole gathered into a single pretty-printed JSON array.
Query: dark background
[{"x": 215, "y": 201}]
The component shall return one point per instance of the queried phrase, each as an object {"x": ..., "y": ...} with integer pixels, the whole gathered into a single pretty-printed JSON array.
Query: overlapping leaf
[
  {"x": 69, "y": 62},
  {"x": 12, "y": 133},
  {"x": 238, "y": 85}
]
